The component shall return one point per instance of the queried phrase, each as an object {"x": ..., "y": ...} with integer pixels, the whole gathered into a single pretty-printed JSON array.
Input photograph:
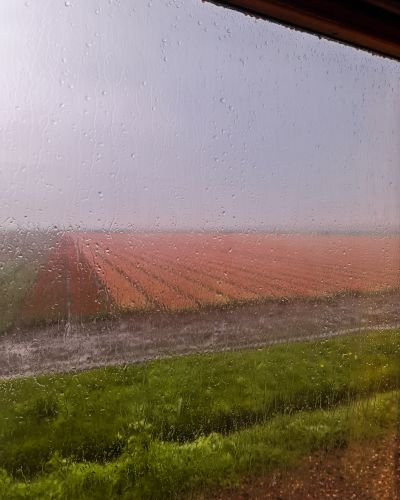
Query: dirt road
[{"x": 63, "y": 347}]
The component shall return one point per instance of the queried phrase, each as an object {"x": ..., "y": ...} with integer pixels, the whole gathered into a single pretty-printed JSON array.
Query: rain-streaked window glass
[{"x": 199, "y": 256}]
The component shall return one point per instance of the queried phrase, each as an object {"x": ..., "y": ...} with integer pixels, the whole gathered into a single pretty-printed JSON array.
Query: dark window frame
[{"x": 372, "y": 25}]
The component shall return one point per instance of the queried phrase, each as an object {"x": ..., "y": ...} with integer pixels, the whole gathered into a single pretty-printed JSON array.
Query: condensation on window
[{"x": 199, "y": 256}]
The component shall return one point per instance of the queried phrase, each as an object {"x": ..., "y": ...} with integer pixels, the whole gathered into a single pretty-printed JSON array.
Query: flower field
[
  {"x": 66, "y": 286},
  {"x": 94, "y": 273}
]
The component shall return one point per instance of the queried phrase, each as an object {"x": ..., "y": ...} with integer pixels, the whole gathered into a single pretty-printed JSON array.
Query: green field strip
[{"x": 89, "y": 415}]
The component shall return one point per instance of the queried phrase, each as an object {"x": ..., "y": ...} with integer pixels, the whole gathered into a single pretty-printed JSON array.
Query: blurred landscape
[
  {"x": 199, "y": 256},
  {"x": 79, "y": 276}
]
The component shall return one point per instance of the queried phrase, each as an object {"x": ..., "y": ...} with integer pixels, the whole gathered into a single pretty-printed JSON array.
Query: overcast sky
[{"x": 168, "y": 115}]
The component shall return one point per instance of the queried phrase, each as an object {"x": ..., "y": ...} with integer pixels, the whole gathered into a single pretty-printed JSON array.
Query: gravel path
[{"x": 62, "y": 347}]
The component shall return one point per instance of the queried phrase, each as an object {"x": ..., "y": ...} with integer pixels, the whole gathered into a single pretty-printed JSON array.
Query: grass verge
[
  {"x": 151, "y": 469},
  {"x": 89, "y": 415}
]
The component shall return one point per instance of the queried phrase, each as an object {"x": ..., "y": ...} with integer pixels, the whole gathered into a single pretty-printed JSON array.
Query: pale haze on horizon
[{"x": 186, "y": 115}]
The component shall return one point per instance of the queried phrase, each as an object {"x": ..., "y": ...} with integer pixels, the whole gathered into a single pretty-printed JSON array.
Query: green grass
[
  {"x": 17, "y": 282},
  {"x": 22, "y": 255},
  {"x": 152, "y": 469},
  {"x": 89, "y": 415}
]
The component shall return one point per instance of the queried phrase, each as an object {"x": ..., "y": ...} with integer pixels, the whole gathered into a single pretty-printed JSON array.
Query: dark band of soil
[{"x": 364, "y": 471}]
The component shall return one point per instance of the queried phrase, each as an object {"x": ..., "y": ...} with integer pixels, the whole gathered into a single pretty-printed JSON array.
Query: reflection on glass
[{"x": 199, "y": 257}]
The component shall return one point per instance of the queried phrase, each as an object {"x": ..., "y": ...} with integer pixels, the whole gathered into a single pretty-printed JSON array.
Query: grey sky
[{"x": 185, "y": 115}]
